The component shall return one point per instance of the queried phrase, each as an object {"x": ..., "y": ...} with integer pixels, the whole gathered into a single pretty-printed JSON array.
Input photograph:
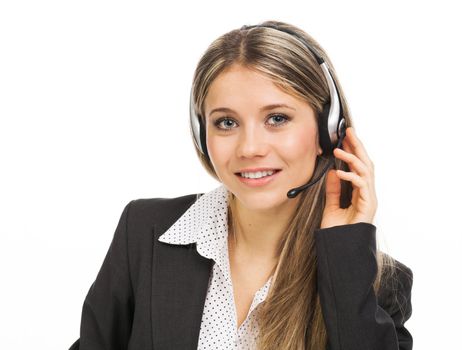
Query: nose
[{"x": 252, "y": 142}]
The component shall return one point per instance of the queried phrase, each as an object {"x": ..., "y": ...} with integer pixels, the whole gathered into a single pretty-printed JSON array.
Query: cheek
[
  {"x": 219, "y": 151},
  {"x": 300, "y": 145}
]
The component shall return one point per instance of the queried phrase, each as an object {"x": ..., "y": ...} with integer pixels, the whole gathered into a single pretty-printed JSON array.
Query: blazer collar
[{"x": 183, "y": 257}]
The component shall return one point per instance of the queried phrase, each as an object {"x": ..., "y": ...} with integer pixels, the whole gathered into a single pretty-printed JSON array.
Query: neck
[{"x": 257, "y": 233}]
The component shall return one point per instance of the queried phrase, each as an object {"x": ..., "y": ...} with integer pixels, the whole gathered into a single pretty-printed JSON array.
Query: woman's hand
[{"x": 364, "y": 200}]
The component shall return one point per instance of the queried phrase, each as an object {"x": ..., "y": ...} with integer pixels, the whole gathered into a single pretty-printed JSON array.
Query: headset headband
[{"x": 331, "y": 121}]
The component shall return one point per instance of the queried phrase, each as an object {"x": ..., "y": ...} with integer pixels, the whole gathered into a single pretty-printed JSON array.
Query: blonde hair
[{"x": 291, "y": 316}]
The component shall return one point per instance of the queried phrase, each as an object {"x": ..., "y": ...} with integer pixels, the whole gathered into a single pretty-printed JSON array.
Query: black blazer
[{"x": 150, "y": 295}]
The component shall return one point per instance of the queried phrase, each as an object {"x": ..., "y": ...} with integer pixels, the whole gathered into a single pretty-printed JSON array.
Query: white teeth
[{"x": 258, "y": 174}]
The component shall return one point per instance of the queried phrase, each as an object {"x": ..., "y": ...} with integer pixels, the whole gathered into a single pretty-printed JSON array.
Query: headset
[{"x": 331, "y": 126}]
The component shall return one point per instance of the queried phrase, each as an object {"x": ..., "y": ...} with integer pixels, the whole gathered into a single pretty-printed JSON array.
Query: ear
[{"x": 318, "y": 144}]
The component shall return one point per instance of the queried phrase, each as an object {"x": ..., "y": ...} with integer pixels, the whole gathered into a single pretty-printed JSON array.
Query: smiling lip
[
  {"x": 261, "y": 181},
  {"x": 254, "y": 170}
]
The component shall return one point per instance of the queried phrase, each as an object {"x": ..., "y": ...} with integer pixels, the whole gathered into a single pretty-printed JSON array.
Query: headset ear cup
[
  {"x": 202, "y": 136},
  {"x": 324, "y": 137}
]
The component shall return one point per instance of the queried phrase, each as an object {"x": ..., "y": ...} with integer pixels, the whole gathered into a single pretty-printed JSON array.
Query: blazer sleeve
[
  {"x": 107, "y": 311},
  {"x": 346, "y": 270}
]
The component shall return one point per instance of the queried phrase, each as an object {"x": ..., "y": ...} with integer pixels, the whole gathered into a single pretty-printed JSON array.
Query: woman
[{"x": 283, "y": 254}]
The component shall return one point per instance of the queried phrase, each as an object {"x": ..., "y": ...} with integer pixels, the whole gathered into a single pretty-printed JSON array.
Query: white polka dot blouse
[{"x": 206, "y": 224}]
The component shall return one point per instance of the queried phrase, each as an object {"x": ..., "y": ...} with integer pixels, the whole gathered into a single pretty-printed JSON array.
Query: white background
[{"x": 94, "y": 113}]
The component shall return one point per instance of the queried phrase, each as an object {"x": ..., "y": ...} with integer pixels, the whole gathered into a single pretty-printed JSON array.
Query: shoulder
[
  {"x": 395, "y": 289},
  {"x": 142, "y": 219},
  {"x": 151, "y": 210},
  {"x": 143, "y": 214}
]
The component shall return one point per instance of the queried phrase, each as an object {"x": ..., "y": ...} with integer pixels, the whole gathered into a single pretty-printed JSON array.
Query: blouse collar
[{"x": 205, "y": 223}]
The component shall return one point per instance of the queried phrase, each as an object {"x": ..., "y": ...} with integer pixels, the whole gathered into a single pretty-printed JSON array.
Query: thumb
[{"x": 333, "y": 188}]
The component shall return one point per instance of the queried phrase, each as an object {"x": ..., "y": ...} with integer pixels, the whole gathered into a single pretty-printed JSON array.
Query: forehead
[{"x": 241, "y": 86}]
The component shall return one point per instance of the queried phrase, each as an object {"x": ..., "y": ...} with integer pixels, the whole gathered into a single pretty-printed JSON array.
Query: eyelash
[{"x": 286, "y": 118}]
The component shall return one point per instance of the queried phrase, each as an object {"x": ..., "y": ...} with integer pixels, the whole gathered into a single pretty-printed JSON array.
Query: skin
[
  {"x": 252, "y": 138},
  {"x": 253, "y": 142}
]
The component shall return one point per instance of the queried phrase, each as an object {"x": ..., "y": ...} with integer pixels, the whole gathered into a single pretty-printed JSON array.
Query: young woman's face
[{"x": 249, "y": 136}]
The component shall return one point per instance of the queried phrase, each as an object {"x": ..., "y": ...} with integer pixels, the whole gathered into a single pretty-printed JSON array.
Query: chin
[{"x": 261, "y": 199}]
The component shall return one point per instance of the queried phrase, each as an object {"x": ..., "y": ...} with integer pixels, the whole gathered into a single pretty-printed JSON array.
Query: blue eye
[
  {"x": 280, "y": 119},
  {"x": 225, "y": 119}
]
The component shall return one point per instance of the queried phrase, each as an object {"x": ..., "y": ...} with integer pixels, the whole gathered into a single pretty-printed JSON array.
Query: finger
[
  {"x": 360, "y": 188},
  {"x": 363, "y": 196},
  {"x": 353, "y": 162},
  {"x": 355, "y": 146},
  {"x": 357, "y": 180},
  {"x": 346, "y": 146},
  {"x": 333, "y": 188}
]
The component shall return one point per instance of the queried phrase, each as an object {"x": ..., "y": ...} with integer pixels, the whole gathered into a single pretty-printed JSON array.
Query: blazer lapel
[
  {"x": 180, "y": 274},
  {"x": 179, "y": 287}
]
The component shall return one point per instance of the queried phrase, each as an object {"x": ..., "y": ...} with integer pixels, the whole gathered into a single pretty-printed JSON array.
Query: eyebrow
[{"x": 264, "y": 108}]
